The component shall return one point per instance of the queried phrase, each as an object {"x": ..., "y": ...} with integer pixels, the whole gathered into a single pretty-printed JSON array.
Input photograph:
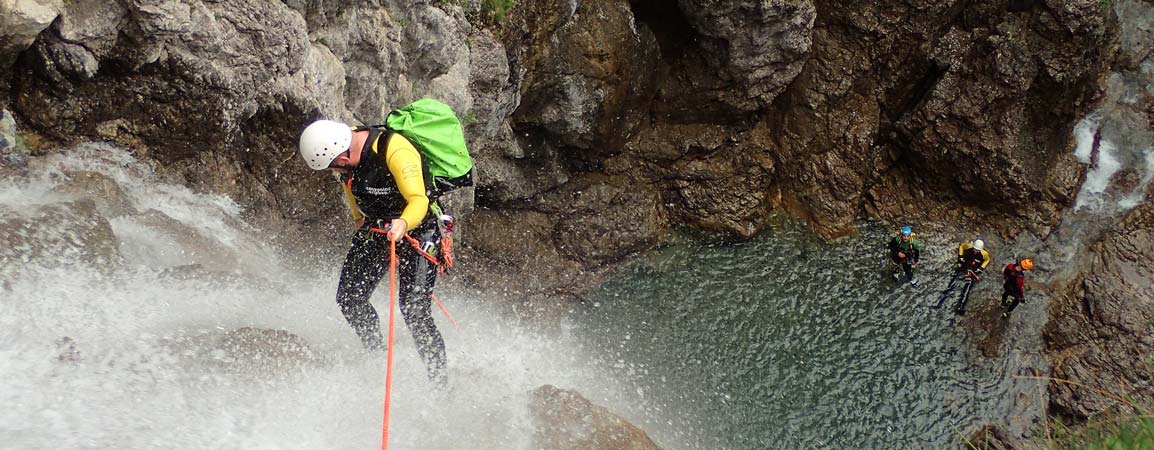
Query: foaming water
[
  {"x": 1116, "y": 141},
  {"x": 785, "y": 342},
  {"x": 116, "y": 354}
]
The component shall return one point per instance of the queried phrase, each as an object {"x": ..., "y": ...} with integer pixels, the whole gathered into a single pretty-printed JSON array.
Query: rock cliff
[
  {"x": 1100, "y": 339},
  {"x": 598, "y": 125}
]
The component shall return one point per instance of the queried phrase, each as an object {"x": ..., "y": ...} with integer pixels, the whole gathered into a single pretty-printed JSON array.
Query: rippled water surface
[{"x": 785, "y": 342}]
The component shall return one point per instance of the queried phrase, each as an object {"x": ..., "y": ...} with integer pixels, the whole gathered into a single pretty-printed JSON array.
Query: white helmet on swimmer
[
  {"x": 979, "y": 244},
  {"x": 324, "y": 140}
]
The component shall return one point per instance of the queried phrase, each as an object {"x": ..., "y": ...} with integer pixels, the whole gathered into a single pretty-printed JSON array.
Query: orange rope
[
  {"x": 440, "y": 268},
  {"x": 447, "y": 251},
  {"x": 432, "y": 259},
  {"x": 439, "y": 305},
  {"x": 389, "y": 358}
]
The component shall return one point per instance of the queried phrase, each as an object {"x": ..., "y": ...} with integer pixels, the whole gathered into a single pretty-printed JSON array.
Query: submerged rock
[
  {"x": 58, "y": 233},
  {"x": 991, "y": 438},
  {"x": 246, "y": 350},
  {"x": 105, "y": 192},
  {"x": 567, "y": 421}
]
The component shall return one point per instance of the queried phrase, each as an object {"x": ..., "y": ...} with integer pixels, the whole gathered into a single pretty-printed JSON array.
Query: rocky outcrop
[
  {"x": 20, "y": 23},
  {"x": 567, "y": 421},
  {"x": 636, "y": 97},
  {"x": 708, "y": 113},
  {"x": 990, "y": 438},
  {"x": 1101, "y": 330},
  {"x": 1100, "y": 337},
  {"x": 218, "y": 92},
  {"x": 942, "y": 110},
  {"x": 11, "y": 153}
]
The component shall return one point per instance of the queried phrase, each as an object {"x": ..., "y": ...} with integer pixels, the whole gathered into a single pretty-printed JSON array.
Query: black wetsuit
[
  {"x": 1013, "y": 289},
  {"x": 912, "y": 251},
  {"x": 969, "y": 260}
]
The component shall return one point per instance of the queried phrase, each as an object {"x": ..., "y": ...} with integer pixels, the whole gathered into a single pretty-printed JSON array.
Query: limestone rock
[
  {"x": 20, "y": 22},
  {"x": 585, "y": 83},
  {"x": 567, "y": 421},
  {"x": 69, "y": 231},
  {"x": 757, "y": 47},
  {"x": 110, "y": 200},
  {"x": 1100, "y": 336},
  {"x": 11, "y": 155},
  {"x": 248, "y": 351}
]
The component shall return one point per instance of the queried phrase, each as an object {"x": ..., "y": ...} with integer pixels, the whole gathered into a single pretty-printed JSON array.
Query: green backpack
[{"x": 434, "y": 129}]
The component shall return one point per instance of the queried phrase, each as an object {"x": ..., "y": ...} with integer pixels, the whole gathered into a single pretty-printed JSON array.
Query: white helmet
[
  {"x": 979, "y": 245},
  {"x": 324, "y": 140}
]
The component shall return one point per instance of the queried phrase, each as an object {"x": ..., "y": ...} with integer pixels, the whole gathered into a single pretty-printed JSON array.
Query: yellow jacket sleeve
[
  {"x": 405, "y": 164},
  {"x": 985, "y": 259},
  {"x": 962, "y": 248}
]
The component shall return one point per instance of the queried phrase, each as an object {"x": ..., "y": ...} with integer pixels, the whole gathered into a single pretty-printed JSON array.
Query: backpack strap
[{"x": 375, "y": 132}]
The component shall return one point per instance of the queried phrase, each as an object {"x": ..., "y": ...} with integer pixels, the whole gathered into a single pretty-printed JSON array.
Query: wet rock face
[
  {"x": 585, "y": 83},
  {"x": 20, "y": 23},
  {"x": 940, "y": 104},
  {"x": 156, "y": 68},
  {"x": 71, "y": 230},
  {"x": 708, "y": 113},
  {"x": 755, "y": 48},
  {"x": 11, "y": 154},
  {"x": 1100, "y": 338},
  {"x": 556, "y": 247},
  {"x": 219, "y": 91},
  {"x": 567, "y": 421},
  {"x": 176, "y": 81}
]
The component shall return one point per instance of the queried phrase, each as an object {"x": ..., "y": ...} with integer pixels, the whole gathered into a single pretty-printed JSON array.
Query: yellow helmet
[{"x": 1027, "y": 264}]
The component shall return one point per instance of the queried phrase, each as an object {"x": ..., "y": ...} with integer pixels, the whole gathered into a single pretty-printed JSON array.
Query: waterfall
[
  {"x": 1116, "y": 141},
  {"x": 127, "y": 310}
]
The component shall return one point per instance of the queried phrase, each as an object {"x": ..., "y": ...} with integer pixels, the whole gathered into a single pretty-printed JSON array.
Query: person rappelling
[{"x": 382, "y": 178}]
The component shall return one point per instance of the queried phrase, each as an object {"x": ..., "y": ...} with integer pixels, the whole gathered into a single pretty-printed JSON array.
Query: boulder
[
  {"x": 249, "y": 351},
  {"x": 60, "y": 233},
  {"x": 567, "y": 421}
]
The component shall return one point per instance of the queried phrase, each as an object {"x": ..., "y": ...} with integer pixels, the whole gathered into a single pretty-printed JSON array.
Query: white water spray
[
  {"x": 1117, "y": 141},
  {"x": 1106, "y": 159},
  {"x": 117, "y": 356}
]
